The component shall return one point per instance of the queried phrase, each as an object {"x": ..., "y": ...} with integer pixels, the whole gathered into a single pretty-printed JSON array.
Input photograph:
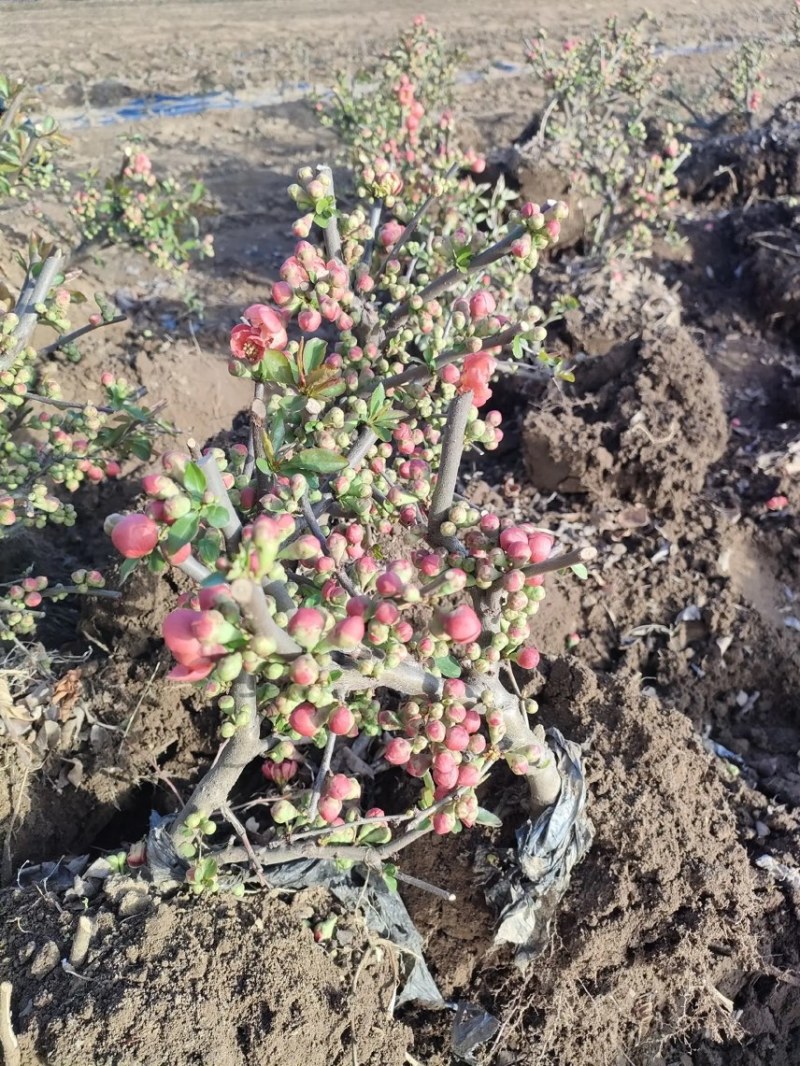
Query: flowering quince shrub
[
  {"x": 352, "y": 611},
  {"x": 136, "y": 207},
  {"x": 600, "y": 92},
  {"x": 28, "y": 146},
  {"x": 50, "y": 446}
]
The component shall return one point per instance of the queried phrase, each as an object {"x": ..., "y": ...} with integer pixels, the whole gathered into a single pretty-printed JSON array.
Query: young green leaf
[
  {"x": 183, "y": 531},
  {"x": 216, "y": 515},
  {"x": 448, "y": 667},
  {"x": 319, "y": 461},
  {"x": 484, "y": 817},
  {"x": 274, "y": 366},
  {"x": 579, "y": 570},
  {"x": 194, "y": 479},
  {"x": 313, "y": 354},
  {"x": 127, "y": 568}
]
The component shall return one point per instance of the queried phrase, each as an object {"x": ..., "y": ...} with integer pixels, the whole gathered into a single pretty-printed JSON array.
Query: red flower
[
  {"x": 478, "y": 369},
  {"x": 247, "y": 344}
]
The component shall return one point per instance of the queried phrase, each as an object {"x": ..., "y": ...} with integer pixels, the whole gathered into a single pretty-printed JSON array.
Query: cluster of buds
[{"x": 22, "y": 604}]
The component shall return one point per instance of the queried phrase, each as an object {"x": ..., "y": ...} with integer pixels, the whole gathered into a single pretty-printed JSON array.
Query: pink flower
[
  {"x": 462, "y": 625},
  {"x": 341, "y": 721},
  {"x": 135, "y": 536},
  {"x": 270, "y": 325},
  {"x": 478, "y": 369}
]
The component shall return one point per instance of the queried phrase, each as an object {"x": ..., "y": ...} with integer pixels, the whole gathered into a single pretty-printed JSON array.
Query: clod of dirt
[
  {"x": 645, "y": 425},
  {"x": 196, "y": 982},
  {"x": 735, "y": 168}
]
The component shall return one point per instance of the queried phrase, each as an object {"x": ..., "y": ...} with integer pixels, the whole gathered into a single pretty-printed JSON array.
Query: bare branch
[
  {"x": 452, "y": 451},
  {"x": 251, "y": 599}
]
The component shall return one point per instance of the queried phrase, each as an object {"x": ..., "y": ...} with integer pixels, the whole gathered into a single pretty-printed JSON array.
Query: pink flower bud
[
  {"x": 309, "y": 321},
  {"x": 481, "y": 305},
  {"x": 528, "y": 657},
  {"x": 540, "y": 544},
  {"x": 304, "y": 720},
  {"x": 135, "y": 536},
  {"x": 347, "y": 634},
  {"x": 282, "y": 293},
  {"x": 457, "y": 738},
  {"x": 468, "y": 775},
  {"x": 443, "y": 823},
  {"x": 307, "y": 626},
  {"x": 462, "y": 625},
  {"x": 329, "y": 809},
  {"x": 341, "y": 721},
  {"x": 398, "y": 751},
  {"x": 304, "y": 670},
  {"x": 340, "y": 787},
  {"x": 280, "y": 773}
]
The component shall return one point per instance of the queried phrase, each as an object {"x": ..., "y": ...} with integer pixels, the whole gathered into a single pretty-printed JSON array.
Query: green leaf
[
  {"x": 313, "y": 354},
  {"x": 182, "y": 532},
  {"x": 263, "y": 466},
  {"x": 579, "y": 570},
  {"x": 216, "y": 515},
  {"x": 448, "y": 666},
  {"x": 140, "y": 447},
  {"x": 389, "y": 874},
  {"x": 277, "y": 431},
  {"x": 324, "y": 211},
  {"x": 484, "y": 817},
  {"x": 376, "y": 401},
  {"x": 208, "y": 550},
  {"x": 194, "y": 479},
  {"x": 127, "y": 569},
  {"x": 518, "y": 346},
  {"x": 274, "y": 366},
  {"x": 462, "y": 259},
  {"x": 319, "y": 461}
]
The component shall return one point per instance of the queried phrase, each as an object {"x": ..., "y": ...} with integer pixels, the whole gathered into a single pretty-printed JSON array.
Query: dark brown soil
[{"x": 218, "y": 981}]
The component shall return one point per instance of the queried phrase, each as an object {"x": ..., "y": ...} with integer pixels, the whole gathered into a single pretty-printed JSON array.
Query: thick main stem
[{"x": 244, "y": 746}]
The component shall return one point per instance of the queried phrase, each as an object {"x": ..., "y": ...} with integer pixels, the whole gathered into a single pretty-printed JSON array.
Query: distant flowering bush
[
  {"x": 137, "y": 208},
  {"x": 351, "y": 610},
  {"x": 600, "y": 94}
]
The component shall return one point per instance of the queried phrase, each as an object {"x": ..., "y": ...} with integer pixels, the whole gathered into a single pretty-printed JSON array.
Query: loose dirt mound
[
  {"x": 229, "y": 983},
  {"x": 644, "y": 426}
]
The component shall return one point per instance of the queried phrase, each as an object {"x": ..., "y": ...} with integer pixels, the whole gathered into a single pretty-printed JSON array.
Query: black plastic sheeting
[{"x": 526, "y": 884}]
